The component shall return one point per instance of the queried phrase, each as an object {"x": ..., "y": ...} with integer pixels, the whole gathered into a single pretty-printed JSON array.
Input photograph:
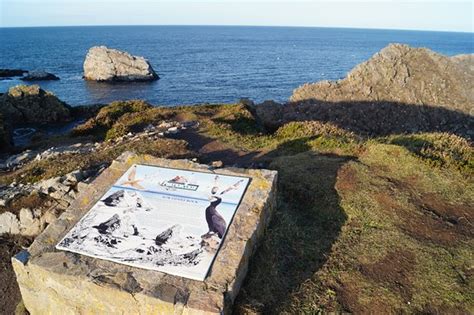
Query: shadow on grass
[
  {"x": 304, "y": 227},
  {"x": 371, "y": 118},
  {"x": 211, "y": 150},
  {"x": 243, "y": 125}
]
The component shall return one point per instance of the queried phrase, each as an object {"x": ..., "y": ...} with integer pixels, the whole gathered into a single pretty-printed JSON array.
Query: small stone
[
  {"x": 49, "y": 217},
  {"x": 217, "y": 164},
  {"x": 173, "y": 130},
  {"x": 29, "y": 225},
  {"x": 9, "y": 223}
]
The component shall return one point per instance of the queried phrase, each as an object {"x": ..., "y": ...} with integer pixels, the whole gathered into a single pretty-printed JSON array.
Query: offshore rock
[
  {"x": 105, "y": 64},
  {"x": 31, "y": 104},
  {"x": 40, "y": 76},
  {"x": 7, "y": 73}
]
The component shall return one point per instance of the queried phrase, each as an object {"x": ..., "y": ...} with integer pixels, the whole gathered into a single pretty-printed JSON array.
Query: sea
[{"x": 206, "y": 64}]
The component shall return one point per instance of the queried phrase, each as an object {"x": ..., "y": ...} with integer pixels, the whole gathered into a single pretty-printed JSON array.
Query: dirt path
[{"x": 210, "y": 150}]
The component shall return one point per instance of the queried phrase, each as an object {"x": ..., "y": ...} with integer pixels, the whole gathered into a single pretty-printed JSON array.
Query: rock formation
[
  {"x": 7, "y": 73},
  {"x": 402, "y": 74},
  {"x": 105, "y": 64},
  {"x": 40, "y": 76},
  {"x": 399, "y": 90},
  {"x": 31, "y": 104}
]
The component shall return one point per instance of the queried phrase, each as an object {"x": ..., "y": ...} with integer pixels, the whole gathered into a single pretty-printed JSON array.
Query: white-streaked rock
[{"x": 105, "y": 64}]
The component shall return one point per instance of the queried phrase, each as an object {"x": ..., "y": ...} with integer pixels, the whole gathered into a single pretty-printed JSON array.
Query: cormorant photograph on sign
[{"x": 162, "y": 219}]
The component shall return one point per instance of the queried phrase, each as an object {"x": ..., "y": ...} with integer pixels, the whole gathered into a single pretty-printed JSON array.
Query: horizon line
[{"x": 245, "y": 25}]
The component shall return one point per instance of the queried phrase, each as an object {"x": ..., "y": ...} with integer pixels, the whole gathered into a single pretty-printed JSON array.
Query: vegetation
[{"x": 364, "y": 225}]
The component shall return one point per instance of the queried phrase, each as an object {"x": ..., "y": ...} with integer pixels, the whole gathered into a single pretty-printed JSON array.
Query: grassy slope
[{"x": 363, "y": 225}]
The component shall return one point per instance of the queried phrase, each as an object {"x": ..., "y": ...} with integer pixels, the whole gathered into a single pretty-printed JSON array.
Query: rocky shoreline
[{"x": 405, "y": 102}]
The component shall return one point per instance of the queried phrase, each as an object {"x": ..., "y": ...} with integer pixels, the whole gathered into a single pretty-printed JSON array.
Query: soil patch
[
  {"x": 393, "y": 271},
  {"x": 438, "y": 221},
  {"x": 10, "y": 245},
  {"x": 347, "y": 179},
  {"x": 430, "y": 218},
  {"x": 348, "y": 297}
]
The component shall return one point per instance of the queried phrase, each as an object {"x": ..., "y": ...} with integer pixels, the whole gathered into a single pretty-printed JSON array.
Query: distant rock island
[
  {"x": 40, "y": 76},
  {"x": 106, "y": 64},
  {"x": 36, "y": 75}
]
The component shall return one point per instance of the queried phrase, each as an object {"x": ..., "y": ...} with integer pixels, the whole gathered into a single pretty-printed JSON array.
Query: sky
[{"x": 385, "y": 14}]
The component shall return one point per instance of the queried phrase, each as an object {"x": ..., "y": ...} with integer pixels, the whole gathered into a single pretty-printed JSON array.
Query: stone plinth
[{"x": 59, "y": 282}]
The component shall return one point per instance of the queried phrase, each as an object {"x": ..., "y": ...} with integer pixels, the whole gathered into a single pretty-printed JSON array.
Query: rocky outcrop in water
[
  {"x": 105, "y": 64},
  {"x": 402, "y": 74},
  {"x": 7, "y": 73},
  {"x": 31, "y": 104},
  {"x": 40, "y": 76}
]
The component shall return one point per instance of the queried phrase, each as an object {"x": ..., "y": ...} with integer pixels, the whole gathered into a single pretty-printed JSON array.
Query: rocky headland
[
  {"x": 106, "y": 64},
  {"x": 400, "y": 89},
  {"x": 375, "y": 180}
]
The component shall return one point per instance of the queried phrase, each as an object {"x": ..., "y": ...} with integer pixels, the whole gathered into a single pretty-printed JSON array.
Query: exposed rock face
[
  {"x": 399, "y": 73},
  {"x": 399, "y": 90},
  {"x": 40, "y": 76},
  {"x": 31, "y": 104},
  {"x": 105, "y": 64}
]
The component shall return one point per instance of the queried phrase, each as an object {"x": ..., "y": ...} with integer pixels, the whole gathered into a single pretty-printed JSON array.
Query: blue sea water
[{"x": 200, "y": 64}]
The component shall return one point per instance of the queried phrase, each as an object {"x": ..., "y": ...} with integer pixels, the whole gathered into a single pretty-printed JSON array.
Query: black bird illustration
[
  {"x": 114, "y": 199},
  {"x": 215, "y": 221}
]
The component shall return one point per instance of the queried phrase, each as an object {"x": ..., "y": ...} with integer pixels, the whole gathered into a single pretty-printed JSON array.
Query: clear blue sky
[{"x": 418, "y": 14}]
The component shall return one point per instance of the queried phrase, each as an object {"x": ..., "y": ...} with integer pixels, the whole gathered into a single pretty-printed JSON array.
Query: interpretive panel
[{"x": 162, "y": 219}]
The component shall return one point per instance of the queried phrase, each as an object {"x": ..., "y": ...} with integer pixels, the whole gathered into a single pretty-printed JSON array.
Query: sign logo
[{"x": 180, "y": 182}]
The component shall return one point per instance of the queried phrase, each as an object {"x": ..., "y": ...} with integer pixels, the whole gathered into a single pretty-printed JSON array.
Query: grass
[
  {"x": 363, "y": 225},
  {"x": 340, "y": 242}
]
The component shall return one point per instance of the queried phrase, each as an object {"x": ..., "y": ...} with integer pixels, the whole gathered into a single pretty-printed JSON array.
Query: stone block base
[{"x": 59, "y": 282}]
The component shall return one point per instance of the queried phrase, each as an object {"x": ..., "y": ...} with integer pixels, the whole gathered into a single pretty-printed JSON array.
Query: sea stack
[{"x": 105, "y": 64}]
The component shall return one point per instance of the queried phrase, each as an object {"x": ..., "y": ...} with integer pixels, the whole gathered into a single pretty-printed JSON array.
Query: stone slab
[{"x": 59, "y": 282}]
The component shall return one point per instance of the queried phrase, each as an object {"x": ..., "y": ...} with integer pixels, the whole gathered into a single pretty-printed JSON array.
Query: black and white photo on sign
[{"x": 162, "y": 219}]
